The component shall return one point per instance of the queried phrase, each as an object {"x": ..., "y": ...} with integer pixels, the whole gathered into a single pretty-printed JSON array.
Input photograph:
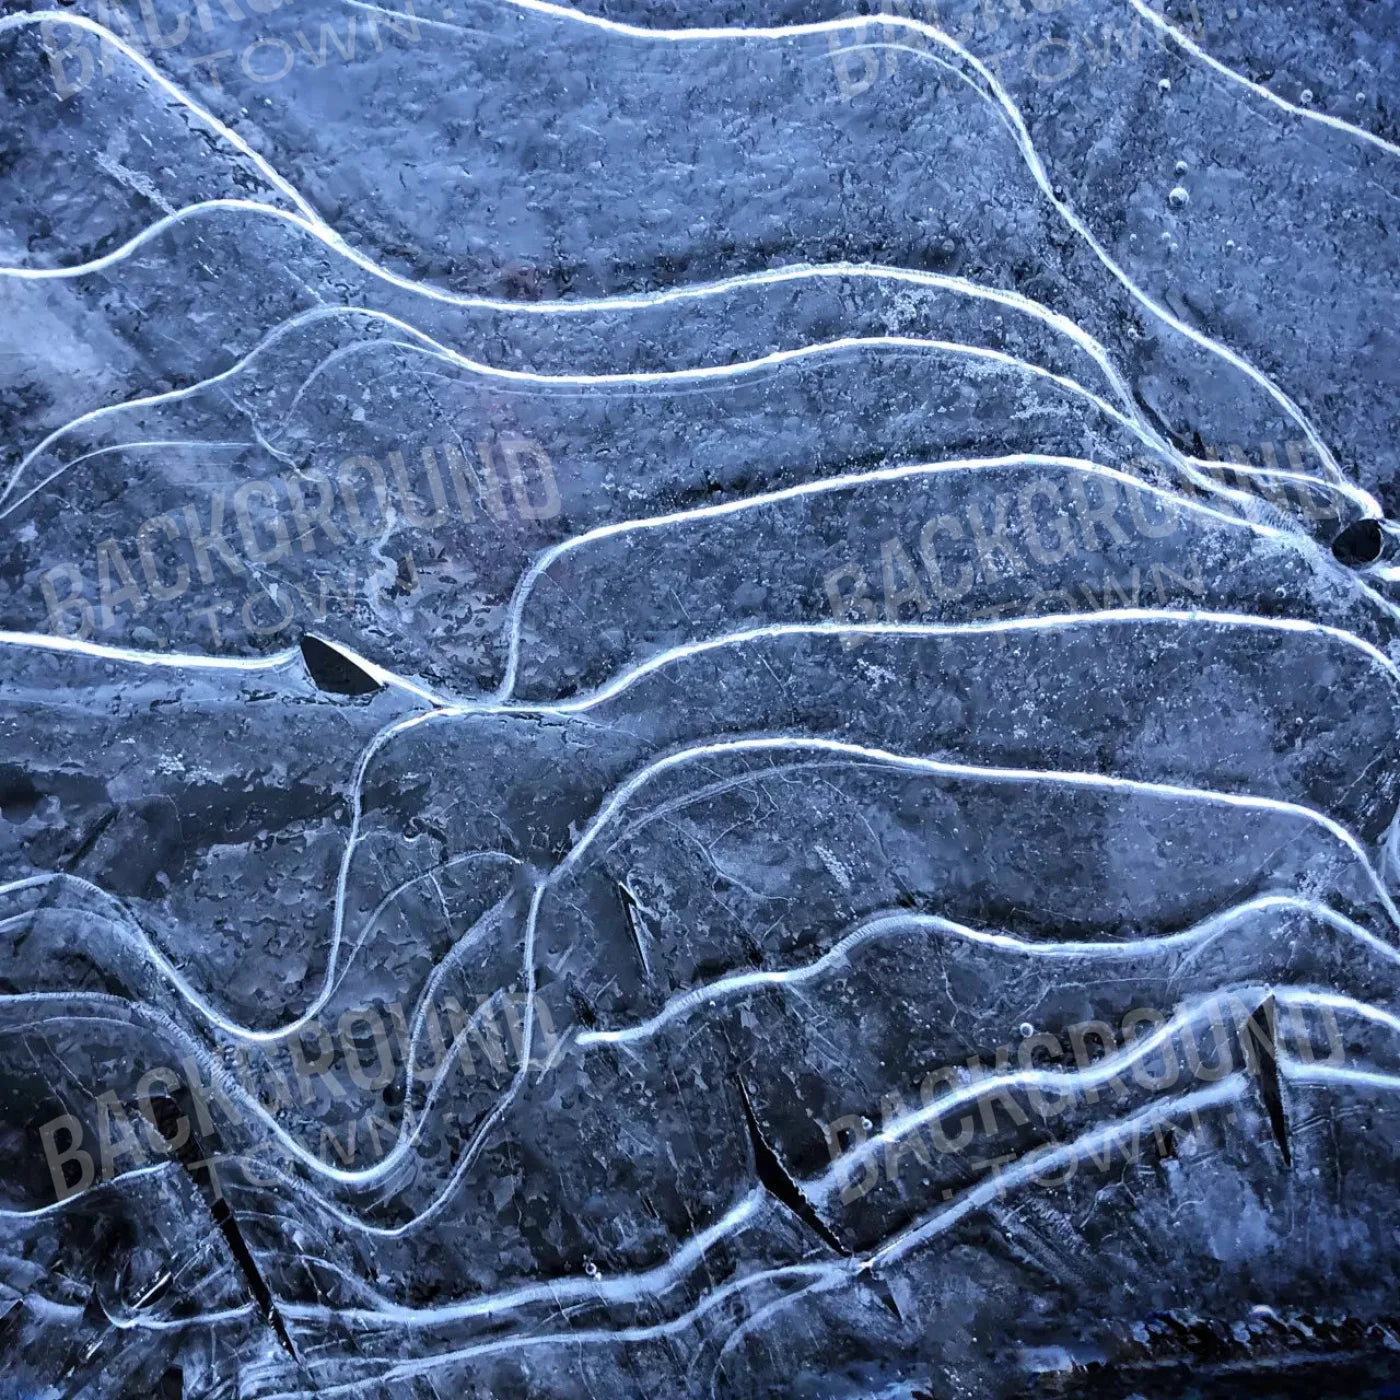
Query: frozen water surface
[{"x": 699, "y": 700}]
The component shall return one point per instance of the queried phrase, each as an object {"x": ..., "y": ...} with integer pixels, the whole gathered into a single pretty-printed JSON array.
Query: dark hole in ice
[
  {"x": 18, "y": 795},
  {"x": 333, "y": 671},
  {"x": 1359, "y": 543}
]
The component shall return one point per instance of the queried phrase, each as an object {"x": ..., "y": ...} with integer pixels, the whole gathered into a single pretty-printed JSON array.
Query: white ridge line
[
  {"x": 696, "y": 374},
  {"x": 1041, "y": 622},
  {"x": 1001, "y": 99},
  {"x": 630, "y": 301},
  {"x": 999, "y": 94},
  {"x": 830, "y": 1274},
  {"x": 990, "y": 773},
  {"x": 1206, "y": 930},
  {"x": 1160, "y": 23},
  {"x": 840, "y": 482},
  {"x": 32, "y": 17}
]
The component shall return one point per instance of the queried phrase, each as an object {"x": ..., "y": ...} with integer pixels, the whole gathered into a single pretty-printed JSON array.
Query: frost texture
[{"x": 698, "y": 700}]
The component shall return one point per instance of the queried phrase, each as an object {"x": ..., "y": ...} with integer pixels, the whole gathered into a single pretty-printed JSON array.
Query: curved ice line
[
  {"x": 1302, "y": 1073},
  {"x": 1228, "y": 1090},
  {"x": 26, "y": 19},
  {"x": 192, "y": 995},
  {"x": 288, "y": 657},
  {"x": 69, "y": 18},
  {"x": 1132, "y": 422},
  {"x": 1000, "y": 97},
  {"x": 840, "y": 482},
  {"x": 331, "y": 981},
  {"x": 410, "y": 1128},
  {"x": 1047, "y": 622},
  {"x": 57, "y": 1207},
  {"x": 796, "y": 272},
  {"x": 1159, "y": 22},
  {"x": 389, "y": 732},
  {"x": 735, "y": 369},
  {"x": 605, "y": 815},
  {"x": 698, "y": 374},
  {"x": 619, "y": 1288},
  {"x": 627, "y": 301},
  {"x": 1062, "y": 1082},
  {"x": 863, "y": 753},
  {"x": 72, "y": 1314},
  {"x": 131, "y": 928},
  {"x": 877, "y": 926},
  {"x": 405, "y": 1369},
  {"x": 135, "y": 1012},
  {"x": 1370, "y": 507},
  {"x": 47, "y": 641},
  {"x": 632, "y": 1286},
  {"x": 1011, "y": 114},
  {"x": 278, "y": 332},
  {"x": 1337, "y": 1001},
  {"x": 828, "y": 1273}
]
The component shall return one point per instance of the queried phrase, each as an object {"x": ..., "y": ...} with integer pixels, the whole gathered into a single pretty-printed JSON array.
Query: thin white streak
[
  {"x": 1011, "y": 114},
  {"x": 1053, "y": 622},
  {"x": 978, "y": 773},
  {"x": 843, "y": 481},
  {"x": 1206, "y": 930},
  {"x": 1160, "y": 23}
]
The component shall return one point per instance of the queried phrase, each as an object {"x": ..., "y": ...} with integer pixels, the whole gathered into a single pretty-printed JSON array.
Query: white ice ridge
[
  {"x": 125, "y": 924},
  {"x": 903, "y": 923},
  {"x": 192, "y": 661},
  {"x": 411, "y": 1127},
  {"x": 636, "y": 301},
  {"x": 848, "y": 480},
  {"x": 830, "y": 1274},
  {"x": 653, "y": 1282},
  {"x": 660, "y": 1279},
  {"x": 1053, "y": 622},
  {"x": 1132, "y": 420},
  {"x": 1199, "y": 474},
  {"x": 1188, "y": 45},
  {"x": 422, "y": 343},
  {"x": 698, "y": 291},
  {"x": 945, "y": 768},
  {"x": 1093, "y": 1076},
  {"x": 862, "y": 753},
  {"x": 994, "y": 92}
]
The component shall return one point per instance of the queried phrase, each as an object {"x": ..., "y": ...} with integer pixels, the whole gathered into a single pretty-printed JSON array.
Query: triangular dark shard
[
  {"x": 773, "y": 1177},
  {"x": 194, "y": 1155},
  {"x": 333, "y": 671},
  {"x": 1263, "y": 1026},
  {"x": 632, "y": 916}
]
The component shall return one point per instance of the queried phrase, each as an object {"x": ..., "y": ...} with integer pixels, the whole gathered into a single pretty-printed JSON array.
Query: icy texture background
[{"x": 783, "y": 653}]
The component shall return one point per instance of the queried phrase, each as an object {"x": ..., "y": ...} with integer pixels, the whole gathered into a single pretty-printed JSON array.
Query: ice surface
[{"x": 698, "y": 700}]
